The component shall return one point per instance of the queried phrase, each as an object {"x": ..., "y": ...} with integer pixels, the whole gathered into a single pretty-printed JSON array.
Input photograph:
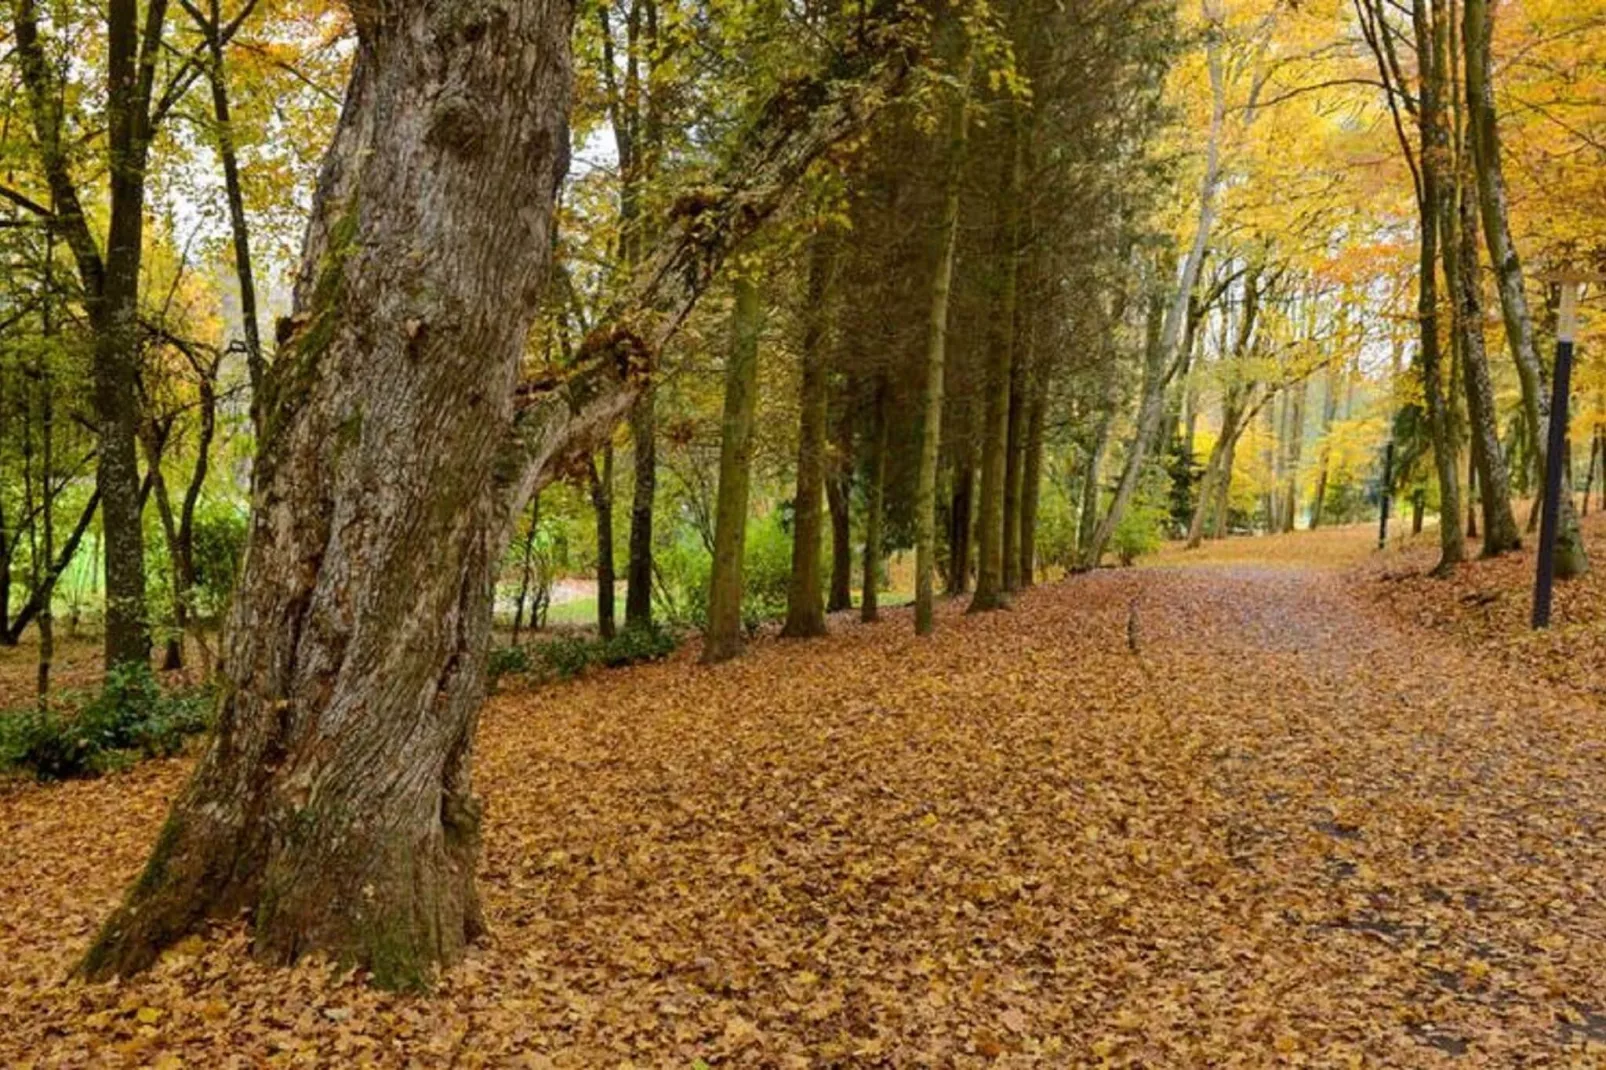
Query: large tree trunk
[
  {"x": 805, "y": 609},
  {"x": 333, "y": 802},
  {"x": 1019, "y": 361},
  {"x": 722, "y": 639},
  {"x": 1484, "y": 129}
]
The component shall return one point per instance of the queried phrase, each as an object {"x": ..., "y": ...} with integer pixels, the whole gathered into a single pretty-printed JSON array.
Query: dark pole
[
  {"x": 1551, "y": 507},
  {"x": 1388, "y": 486}
]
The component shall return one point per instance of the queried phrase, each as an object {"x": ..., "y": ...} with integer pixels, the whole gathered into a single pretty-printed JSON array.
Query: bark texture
[
  {"x": 1484, "y": 129},
  {"x": 805, "y": 606},
  {"x": 722, "y": 638},
  {"x": 333, "y": 803}
]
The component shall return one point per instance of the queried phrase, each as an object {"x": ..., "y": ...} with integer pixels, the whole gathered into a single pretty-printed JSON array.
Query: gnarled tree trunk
[{"x": 333, "y": 802}]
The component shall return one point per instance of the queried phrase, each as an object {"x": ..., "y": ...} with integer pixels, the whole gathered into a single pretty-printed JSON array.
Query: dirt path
[{"x": 1285, "y": 830}]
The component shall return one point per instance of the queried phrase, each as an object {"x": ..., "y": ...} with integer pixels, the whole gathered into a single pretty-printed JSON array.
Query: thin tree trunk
[
  {"x": 936, "y": 360},
  {"x": 961, "y": 511},
  {"x": 1430, "y": 122},
  {"x": 1032, "y": 480},
  {"x": 602, "y": 505},
  {"x": 1329, "y": 413},
  {"x": 992, "y": 543},
  {"x": 644, "y": 441},
  {"x": 1500, "y": 533},
  {"x": 239, "y": 228},
  {"x": 1152, "y": 409},
  {"x": 1015, "y": 388},
  {"x": 805, "y": 609},
  {"x": 527, "y": 570},
  {"x": 838, "y": 499},
  {"x": 722, "y": 640},
  {"x": 1294, "y": 442},
  {"x": 875, "y": 504},
  {"x": 1484, "y": 127}
]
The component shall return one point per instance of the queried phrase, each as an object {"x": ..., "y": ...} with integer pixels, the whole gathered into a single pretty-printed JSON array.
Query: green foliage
[
  {"x": 508, "y": 661},
  {"x": 1142, "y": 528},
  {"x": 684, "y": 569},
  {"x": 638, "y": 643},
  {"x": 131, "y": 717},
  {"x": 1056, "y": 528},
  {"x": 766, "y": 571},
  {"x": 563, "y": 657},
  {"x": 219, "y": 535}
]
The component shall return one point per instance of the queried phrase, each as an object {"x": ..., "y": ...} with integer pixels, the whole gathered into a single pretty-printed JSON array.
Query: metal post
[
  {"x": 1549, "y": 517},
  {"x": 1388, "y": 487}
]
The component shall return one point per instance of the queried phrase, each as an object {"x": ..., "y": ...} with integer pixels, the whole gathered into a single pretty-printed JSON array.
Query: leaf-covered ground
[
  {"x": 1288, "y": 830},
  {"x": 1487, "y": 605}
]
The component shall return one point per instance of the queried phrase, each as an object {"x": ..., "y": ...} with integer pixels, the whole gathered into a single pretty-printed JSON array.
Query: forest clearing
[
  {"x": 724, "y": 533},
  {"x": 1290, "y": 826}
]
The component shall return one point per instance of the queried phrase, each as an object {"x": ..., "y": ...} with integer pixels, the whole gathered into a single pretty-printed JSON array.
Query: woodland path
[{"x": 1286, "y": 830}]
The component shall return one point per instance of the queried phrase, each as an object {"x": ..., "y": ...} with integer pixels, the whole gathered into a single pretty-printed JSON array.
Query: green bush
[
  {"x": 220, "y": 535},
  {"x": 508, "y": 660},
  {"x": 564, "y": 657},
  {"x": 684, "y": 569},
  {"x": 130, "y": 718},
  {"x": 638, "y": 643},
  {"x": 1142, "y": 527}
]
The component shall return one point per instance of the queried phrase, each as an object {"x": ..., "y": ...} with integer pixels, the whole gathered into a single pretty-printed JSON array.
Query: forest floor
[{"x": 1325, "y": 814}]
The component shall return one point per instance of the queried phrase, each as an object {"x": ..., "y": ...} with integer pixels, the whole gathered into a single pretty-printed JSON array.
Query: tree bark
[
  {"x": 961, "y": 508},
  {"x": 644, "y": 442},
  {"x": 334, "y": 801},
  {"x": 1032, "y": 479},
  {"x": 992, "y": 544},
  {"x": 875, "y": 504},
  {"x": 722, "y": 639},
  {"x": 839, "y": 499},
  {"x": 1484, "y": 127},
  {"x": 602, "y": 505},
  {"x": 805, "y": 608},
  {"x": 1461, "y": 269},
  {"x": 937, "y": 356},
  {"x": 1430, "y": 42}
]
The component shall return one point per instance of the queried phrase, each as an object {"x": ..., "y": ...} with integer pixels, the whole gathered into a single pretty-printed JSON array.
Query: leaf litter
[{"x": 1290, "y": 830}]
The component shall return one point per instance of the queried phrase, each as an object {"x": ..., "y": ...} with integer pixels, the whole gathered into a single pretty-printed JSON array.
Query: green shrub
[
  {"x": 684, "y": 569},
  {"x": 1142, "y": 527},
  {"x": 638, "y": 643},
  {"x": 220, "y": 534},
  {"x": 565, "y": 656},
  {"x": 508, "y": 660},
  {"x": 131, "y": 717}
]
